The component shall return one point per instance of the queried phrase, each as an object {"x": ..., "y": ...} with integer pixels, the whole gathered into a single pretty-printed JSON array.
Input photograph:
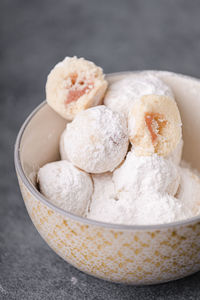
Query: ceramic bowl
[{"x": 119, "y": 253}]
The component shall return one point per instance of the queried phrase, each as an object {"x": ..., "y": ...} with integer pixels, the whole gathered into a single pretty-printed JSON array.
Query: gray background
[{"x": 117, "y": 35}]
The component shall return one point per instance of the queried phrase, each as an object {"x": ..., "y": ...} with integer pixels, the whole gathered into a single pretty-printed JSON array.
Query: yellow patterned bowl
[{"x": 120, "y": 253}]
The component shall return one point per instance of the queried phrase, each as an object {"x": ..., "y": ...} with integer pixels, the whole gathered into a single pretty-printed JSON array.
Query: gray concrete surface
[{"x": 118, "y": 35}]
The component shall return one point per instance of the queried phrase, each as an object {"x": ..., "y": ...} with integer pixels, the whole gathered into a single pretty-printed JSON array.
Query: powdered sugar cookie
[
  {"x": 103, "y": 197},
  {"x": 96, "y": 141},
  {"x": 123, "y": 94},
  {"x": 103, "y": 187},
  {"x": 73, "y": 85},
  {"x": 158, "y": 208},
  {"x": 146, "y": 210},
  {"x": 106, "y": 205},
  {"x": 66, "y": 186},
  {"x": 189, "y": 191},
  {"x": 110, "y": 211},
  {"x": 128, "y": 208},
  {"x": 154, "y": 126},
  {"x": 144, "y": 174}
]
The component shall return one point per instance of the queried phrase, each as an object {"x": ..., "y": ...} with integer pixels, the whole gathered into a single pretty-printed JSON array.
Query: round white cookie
[
  {"x": 73, "y": 85},
  {"x": 66, "y": 186},
  {"x": 158, "y": 208},
  {"x": 189, "y": 191},
  {"x": 96, "y": 141},
  {"x": 145, "y": 209},
  {"x": 124, "y": 93},
  {"x": 143, "y": 174}
]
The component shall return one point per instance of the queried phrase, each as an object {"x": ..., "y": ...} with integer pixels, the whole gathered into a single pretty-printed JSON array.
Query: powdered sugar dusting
[
  {"x": 189, "y": 191},
  {"x": 104, "y": 205},
  {"x": 144, "y": 174},
  {"x": 127, "y": 207},
  {"x": 66, "y": 186},
  {"x": 96, "y": 141},
  {"x": 123, "y": 93},
  {"x": 145, "y": 190},
  {"x": 157, "y": 208},
  {"x": 142, "y": 189}
]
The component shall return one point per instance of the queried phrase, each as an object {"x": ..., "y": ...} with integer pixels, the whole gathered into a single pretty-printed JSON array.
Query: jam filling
[
  {"x": 77, "y": 89},
  {"x": 158, "y": 119}
]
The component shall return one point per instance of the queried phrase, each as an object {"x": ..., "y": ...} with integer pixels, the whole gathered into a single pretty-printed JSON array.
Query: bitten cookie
[
  {"x": 73, "y": 85},
  {"x": 155, "y": 126}
]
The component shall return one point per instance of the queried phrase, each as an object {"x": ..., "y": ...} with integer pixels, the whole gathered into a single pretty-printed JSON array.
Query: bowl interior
[{"x": 40, "y": 139}]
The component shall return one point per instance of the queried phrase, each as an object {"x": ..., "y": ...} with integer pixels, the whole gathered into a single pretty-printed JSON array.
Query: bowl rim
[{"x": 33, "y": 190}]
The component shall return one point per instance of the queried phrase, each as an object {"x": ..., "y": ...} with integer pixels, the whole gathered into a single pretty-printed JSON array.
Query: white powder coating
[
  {"x": 143, "y": 174},
  {"x": 157, "y": 208},
  {"x": 123, "y": 94},
  {"x": 97, "y": 140},
  {"x": 103, "y": 186},
  {"x": 127, "y": 208},
  {"x": 104, "y": 206},
  {"x": 189, "y": 191},
  {"x": 66, "y": 186},
  {"x": 131, "y": 206}
]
